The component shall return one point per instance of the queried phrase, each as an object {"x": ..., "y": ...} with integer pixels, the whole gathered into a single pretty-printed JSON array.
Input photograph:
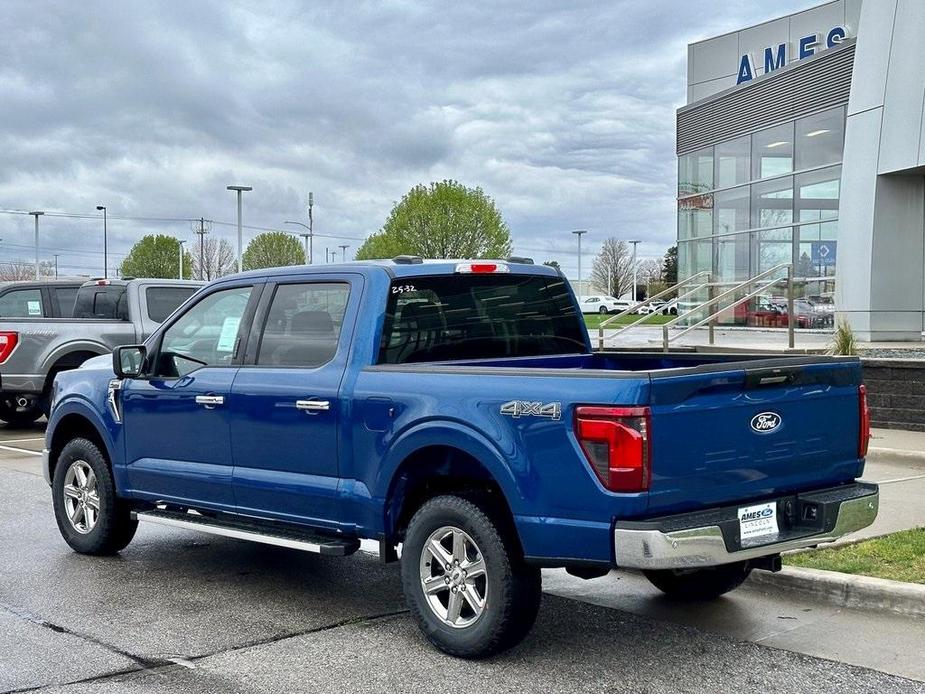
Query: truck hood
[{"x": 100, "y": 363}]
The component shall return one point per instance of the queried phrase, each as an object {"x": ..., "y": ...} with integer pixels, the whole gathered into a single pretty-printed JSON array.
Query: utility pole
[
  {"x": 579, "y": 234},
  {"x": 239, "y": 190},
  {"x": 102, "y": 208},
  {"x": 634, "y": 269},
  {"x": 37, "y": 214},
  {"x": 56, "y": 266},
  {"x": 180, "y": 243},
  {"x": 311, "y": 225},
  {"x": 343, "y": 250},
  {"x": 201, "y": 232}
]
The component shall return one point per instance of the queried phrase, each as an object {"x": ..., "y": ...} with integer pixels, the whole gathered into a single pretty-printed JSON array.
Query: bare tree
[
  {"x": 649, "y": 270},
  {"x": 18, "y": 270},
  {"x": 612, "y": 271},
  {"x": 218, "y": 259}
]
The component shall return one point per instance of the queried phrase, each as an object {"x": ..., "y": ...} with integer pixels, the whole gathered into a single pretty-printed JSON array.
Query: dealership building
[{"x": 802, "y": 142}]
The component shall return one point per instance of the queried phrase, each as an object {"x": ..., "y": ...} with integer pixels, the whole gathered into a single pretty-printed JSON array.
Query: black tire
[
  {"x": 113, "y": 528},
  {"x": 603, "y": 310},
  {"x": 700, "y": 584},
  {"x": 16, "y": 415},
  {"x": 512, "y": 589}
]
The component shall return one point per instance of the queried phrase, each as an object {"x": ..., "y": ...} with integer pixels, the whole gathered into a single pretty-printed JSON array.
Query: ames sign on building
[{"x": 802, "y": 142}]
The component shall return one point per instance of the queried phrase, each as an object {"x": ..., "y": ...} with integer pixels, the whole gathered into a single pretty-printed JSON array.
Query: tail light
[
  {"x": 8, "y": 342},
  {"x": 481, "y": 268},
  {"x": 616, "y": 442},
  {"x": 864, "y": 420}
]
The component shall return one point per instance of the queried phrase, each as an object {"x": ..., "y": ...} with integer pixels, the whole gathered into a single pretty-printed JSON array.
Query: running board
[{"x": 268, "y": 535}]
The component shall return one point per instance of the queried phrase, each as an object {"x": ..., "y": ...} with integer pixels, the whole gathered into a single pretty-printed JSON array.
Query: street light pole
[
  {"x": 311, "y": 225},
  {"x": 56, "y": 266},
  {"x": 180, "y": 274},
  {"x": 239, "y": 190},
  {"x": 635, "y": 268},
  {"x": 37, "y": 214},
  {"x": 343, "y": 249},
  {"x": 102, "y": 208},
  {"x": 306, "y": 241},
  {"x": 579, "y": 233}
]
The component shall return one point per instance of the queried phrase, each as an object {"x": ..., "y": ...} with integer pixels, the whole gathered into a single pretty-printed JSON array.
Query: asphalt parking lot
[{"x": 185, "y": 612}]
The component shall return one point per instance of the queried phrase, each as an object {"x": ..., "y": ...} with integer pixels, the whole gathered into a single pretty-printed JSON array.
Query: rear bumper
[
  {"x": 710, "y": 538},
  {"x": 16, "y": 384}
]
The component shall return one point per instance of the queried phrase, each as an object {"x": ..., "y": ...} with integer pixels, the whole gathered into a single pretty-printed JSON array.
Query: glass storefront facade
[{"x": 760, "y": 200}]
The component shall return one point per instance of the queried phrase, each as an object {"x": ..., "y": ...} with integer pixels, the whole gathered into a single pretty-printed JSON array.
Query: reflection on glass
[
  {"x": 731, "y": 210},
  {"x": 820, "y": 138},
  {"x": 695, "y": 172},
  {"x": 772, "y": 203},
  {"x": 732, "y": 162},
  {"x": 772, "y": 151}
]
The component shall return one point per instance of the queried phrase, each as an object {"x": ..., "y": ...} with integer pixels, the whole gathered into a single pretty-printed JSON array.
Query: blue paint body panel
[{"x": 340, "y": 470}]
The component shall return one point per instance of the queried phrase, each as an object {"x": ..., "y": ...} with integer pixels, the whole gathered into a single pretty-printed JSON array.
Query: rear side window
[
  {"x": 459, "y": 317},
  {"x": 65, "y": 296},
  {"x": 102, "y": 301},
  {"x": 22, "y": 303},
  {"x": 162, "y": 301},
  {"x": 303, "y": 324}
]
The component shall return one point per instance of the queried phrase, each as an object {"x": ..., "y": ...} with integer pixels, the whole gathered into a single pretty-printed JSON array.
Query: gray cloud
[{"x": 563, "y": 112}]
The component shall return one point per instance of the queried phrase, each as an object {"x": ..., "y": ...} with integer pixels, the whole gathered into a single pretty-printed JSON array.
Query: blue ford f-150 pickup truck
[{"x": 455, "y": 408}]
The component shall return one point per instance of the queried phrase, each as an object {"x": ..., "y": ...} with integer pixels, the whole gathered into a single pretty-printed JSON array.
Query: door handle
[
  {"x": 313, "y": 405},
  {"x": 210, "y": 401}
]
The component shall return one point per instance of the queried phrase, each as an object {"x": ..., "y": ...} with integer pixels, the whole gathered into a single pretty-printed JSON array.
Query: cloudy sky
[{"x": 563, "y": 112}]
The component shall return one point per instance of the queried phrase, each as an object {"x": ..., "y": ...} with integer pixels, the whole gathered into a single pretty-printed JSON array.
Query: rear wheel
[
  {"x": 91, "y": 518},
  {"x": 19, "y": 410},
  {"x": 603, "y": 310},
  {"x": 700, "y": 584},
  {"x": 464, "y": 580}
]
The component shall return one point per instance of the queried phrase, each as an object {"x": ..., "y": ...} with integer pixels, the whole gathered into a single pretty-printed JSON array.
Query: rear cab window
[
  {"x": 162, "y": 301},
  {"x": 108, "y": 301},
  {"x": 461, "y": 317}
]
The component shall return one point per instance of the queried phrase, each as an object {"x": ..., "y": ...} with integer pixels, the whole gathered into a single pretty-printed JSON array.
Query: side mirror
[{"x": 128, "y": 361}]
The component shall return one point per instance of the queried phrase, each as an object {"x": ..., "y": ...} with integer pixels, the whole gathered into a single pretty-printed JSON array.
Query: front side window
[
  {"x": 22, "y": 303},
  {"x": 461, "y": 317},
  {"x": 303, "y": 325},
  {"x": 206, "y": 335}
]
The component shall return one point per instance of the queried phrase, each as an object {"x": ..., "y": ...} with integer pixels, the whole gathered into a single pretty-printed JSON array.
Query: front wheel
[
  {"x": 91, "y": 518},
  {"x": 700, "y": 584},
  {"x": 464, "y": 580},
  {"x": 603, "y": 310}
]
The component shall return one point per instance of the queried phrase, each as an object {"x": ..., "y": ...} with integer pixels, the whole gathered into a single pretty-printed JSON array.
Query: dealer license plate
[{"x": 758, "y": 521}]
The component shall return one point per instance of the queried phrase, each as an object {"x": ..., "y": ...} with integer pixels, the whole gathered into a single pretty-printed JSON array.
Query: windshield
[{"x": 459, "y": 317}]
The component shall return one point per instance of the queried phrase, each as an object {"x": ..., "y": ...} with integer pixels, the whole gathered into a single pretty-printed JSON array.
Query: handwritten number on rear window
[{"x": 402, "y": 288}]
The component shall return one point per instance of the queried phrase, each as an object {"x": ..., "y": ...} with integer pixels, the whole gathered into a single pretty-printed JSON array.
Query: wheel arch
[
  {"x": 72, "y": 425},
  {"x": 444, "y": 459}
]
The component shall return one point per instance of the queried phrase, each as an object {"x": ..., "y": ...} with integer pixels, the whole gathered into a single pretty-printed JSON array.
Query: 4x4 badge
[{"x": 523, "y": 408}]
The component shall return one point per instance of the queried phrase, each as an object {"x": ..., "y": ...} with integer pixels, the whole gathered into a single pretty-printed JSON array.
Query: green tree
[
  {"x": 670, "y": 266},
  {"x": 273, "y": 249},
  {"x": 443, "y": 220},
  {"x": 156, "y": 255}
]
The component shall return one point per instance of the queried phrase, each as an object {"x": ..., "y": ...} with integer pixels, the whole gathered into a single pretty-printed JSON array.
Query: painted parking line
[
  {"x": 19, "y": 450},
  {"x": 903, "y": 479},
  {"x": 37, "y": 438}
]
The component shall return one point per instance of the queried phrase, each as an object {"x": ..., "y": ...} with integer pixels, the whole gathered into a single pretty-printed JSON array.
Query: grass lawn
[
  {"x": 593, "y": 320},
  {"x": 899, "y": 557}
]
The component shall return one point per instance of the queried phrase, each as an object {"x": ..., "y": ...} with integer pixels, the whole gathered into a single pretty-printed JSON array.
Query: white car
[{"x": 601, "y": 303}]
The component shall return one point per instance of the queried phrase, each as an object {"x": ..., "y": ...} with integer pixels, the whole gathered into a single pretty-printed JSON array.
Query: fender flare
[
  {"x": 452, "y": 434},
  {"x": 77, "y": 404}
]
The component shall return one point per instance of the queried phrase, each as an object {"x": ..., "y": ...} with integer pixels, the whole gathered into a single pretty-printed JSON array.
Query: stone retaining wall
[{"x": 896, "y": 393}]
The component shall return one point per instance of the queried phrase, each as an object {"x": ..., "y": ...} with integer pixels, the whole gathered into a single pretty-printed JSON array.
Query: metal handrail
[
  {"x": 635, "y": 307},
  {"x": 749, "y": 282}
]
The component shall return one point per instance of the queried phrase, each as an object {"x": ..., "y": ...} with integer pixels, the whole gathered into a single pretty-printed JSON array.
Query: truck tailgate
[{"x": 725, "y": 435}]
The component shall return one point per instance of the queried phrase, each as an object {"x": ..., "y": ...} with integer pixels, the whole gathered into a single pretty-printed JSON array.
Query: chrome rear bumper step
[{"x": 266, "y": 534}]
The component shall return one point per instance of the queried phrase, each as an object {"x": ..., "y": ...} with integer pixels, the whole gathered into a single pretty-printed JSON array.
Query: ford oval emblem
[{"x": 766, "y": 422}]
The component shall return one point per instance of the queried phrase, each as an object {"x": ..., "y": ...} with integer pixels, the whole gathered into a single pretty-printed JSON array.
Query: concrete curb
[
  {"x": 875, "y": 452},
  {"x": 845, "y": 590}
]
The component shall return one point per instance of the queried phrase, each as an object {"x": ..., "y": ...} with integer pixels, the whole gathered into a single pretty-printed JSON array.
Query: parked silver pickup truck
[{"x": 107, "y": 313}]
